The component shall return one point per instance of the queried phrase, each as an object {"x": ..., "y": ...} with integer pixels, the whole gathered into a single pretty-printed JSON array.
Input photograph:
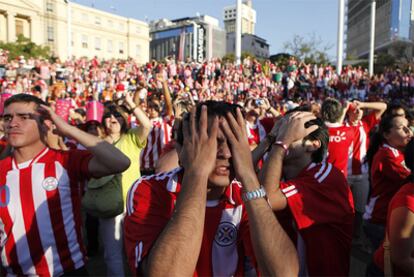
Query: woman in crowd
[
  {"x": 130, "y": 142},
  {"x": 387, "y": 172},
  {"x": 397, "y": 252}
]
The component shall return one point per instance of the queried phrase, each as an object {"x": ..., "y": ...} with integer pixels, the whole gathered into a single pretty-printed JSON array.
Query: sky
[{"x": 277, "y": 20}]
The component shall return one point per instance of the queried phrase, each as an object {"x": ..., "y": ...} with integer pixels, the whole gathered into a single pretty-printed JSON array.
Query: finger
[
  {"x": 240, "y": 121},
  {"x": 227, "y": 131},
  {"x": 186, "y": 126},
  {"x": 203, "y": 120},
  {"x": 214, "y": 128},
  {"x": 231, "y": 121},
  {"x": 192, "y": 122},
  {"x": 311, "y": 129}
]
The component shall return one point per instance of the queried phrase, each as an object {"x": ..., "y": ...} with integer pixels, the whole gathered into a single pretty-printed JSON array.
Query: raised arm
[
  {"x": 273, "y": 249},
  {"x": 176, "y": 251},
  {"x": 144, "y": 126},
  {"x": 378, "y": 107},
  {"x": 167, "y": 95},
  {"x": 106, "y": 159}
]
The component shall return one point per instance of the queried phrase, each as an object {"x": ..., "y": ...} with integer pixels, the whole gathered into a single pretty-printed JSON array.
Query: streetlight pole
[
  {"x": 372, "y": 39},
  {"x": 238, "y": 31},
  {"x": 340, "y": 46}
]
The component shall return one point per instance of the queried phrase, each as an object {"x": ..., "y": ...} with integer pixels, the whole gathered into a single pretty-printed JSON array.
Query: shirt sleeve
[
  {"x": 78, "y": 164},
  {"x": 133, "y": 136},
  {"x": 394, "y": 168},
  {"x": 148, "y": 213},
  {"x": 370, "y": 121}
]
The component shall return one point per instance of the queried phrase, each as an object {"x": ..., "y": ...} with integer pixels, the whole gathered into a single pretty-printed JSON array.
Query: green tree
[
  {"x": 310, "y": 49},
  {"x": 24, "y": 47}
]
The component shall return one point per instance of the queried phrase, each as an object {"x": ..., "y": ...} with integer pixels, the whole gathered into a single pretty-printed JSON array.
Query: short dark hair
[
  {"x": 331, "y": 110},
  {"x": 321, "y": 134},
  {"x": 24, "y": 98},
  {"x": 214, "y": 108}
]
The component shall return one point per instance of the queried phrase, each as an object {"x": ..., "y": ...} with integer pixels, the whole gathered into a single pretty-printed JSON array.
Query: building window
[
  {"x": 97, "y": 20},
  {"x": 121, "y": 27},
  {"x": 49, "y": 6},
  {"x": 97, "y": 44},
  {"x": 84, "y": 41},
  {"x": 121, "y": 48},
  {"x": 138, "y": 30},
  {"x": 19, "y": 28},
  {"x": 72, "y": 41},
  {"x": 50, "y": 33},
  {"x": 110, "y": 46},
  {"x": 110, "y": 24}
]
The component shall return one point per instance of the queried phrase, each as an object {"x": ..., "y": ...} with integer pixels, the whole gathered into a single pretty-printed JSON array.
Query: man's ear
[{"x": 312, "y": 145}]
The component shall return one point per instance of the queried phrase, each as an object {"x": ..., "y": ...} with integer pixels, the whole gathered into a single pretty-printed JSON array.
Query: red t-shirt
[
  {"x": 341, "y": 139},
  {"x": 41, "y": 230},
  {"x": 226, "y": 237},
  {"x": 388, "y": 174},
  {"x": 356, "y": 165},
  {"x": 321, "y": 203},
  {"x": 403, "y": 198}
]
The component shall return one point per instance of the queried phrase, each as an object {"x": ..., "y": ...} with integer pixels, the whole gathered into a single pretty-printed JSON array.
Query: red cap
[{"x": 120, "y": 87}]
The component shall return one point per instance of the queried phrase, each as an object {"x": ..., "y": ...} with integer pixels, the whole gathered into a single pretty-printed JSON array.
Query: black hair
[
  {"x": 331, "y": 110},
  {"x": 394, "y": 106},
  {"x": 321, "y": 134},
  {"x": 119, "y": 114},
  {"x": 409, "y": 159},
  {"x": 377, "y": 137},
  {"x": 214, "y": 108},
  {"x": 24, "y": 98}
]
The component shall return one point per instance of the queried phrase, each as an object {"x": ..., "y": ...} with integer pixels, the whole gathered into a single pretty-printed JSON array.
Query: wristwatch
[{"x": 255, "y": 194}]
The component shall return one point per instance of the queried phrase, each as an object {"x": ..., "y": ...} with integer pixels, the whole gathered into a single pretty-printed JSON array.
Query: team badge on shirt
[
  {"x": 50, "y": 183},
  {"x": 226, "y": 234}
]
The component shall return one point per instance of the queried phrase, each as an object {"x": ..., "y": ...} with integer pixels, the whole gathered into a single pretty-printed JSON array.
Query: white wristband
[{"x": 255, "y": 194}]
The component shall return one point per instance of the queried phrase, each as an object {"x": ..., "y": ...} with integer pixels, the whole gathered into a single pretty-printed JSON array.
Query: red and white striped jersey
[
  {"x": 356, "y": 165},
  {"x": 340, "y": 145},
  {"x": 159, "y": 136},
  {"x": 388, "y": 175},
  {"x": 226, "y": 238},
  {"x": 40, "y": 230},
  {"x": 322, "y": 207},
  {"x": 257, "y": 132}
]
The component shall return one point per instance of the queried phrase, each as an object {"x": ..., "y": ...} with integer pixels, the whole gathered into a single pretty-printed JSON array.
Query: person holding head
[
  {"x": 341, "y": 137},
  {"x": 196, "y": 219},
  {"x": 396, "y": 254},
  {"x": 41, "y": 211},
  {"x": 357, "y": 168},
  {"x": 388, "y": 172},
  {"x": 130, "y": 142},
  {"x": 315, "y": 194}
]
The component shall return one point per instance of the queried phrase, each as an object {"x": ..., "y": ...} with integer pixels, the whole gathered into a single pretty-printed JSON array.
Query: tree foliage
[
  {"x": 26, "y": 48},
  {"x": 310, "y": 49}
]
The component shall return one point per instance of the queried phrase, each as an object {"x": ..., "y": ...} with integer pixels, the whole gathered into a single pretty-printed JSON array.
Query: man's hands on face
[
  {"x": 236, "y": 134},
  {"x": 199, "y": 148},
  {"x": 292, "y": 127}
]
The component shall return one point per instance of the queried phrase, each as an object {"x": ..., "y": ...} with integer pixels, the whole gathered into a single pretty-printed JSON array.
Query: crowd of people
[{"x": 186, "y": 168}]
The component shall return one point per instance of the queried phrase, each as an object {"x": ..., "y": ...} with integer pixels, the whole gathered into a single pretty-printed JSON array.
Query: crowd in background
[{"x": 136, "y": 108}]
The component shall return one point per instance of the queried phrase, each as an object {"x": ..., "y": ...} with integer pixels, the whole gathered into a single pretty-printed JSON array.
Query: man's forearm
[
  {"x": 271, "y": 174},
  {"x": 274, "y": 251},
  {"x": 177, "y": 249},
  {"x": 110, "y": 159}
]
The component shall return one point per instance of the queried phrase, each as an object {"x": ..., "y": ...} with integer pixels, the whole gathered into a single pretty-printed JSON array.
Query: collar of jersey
[{"x": 34, "y": 160}]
